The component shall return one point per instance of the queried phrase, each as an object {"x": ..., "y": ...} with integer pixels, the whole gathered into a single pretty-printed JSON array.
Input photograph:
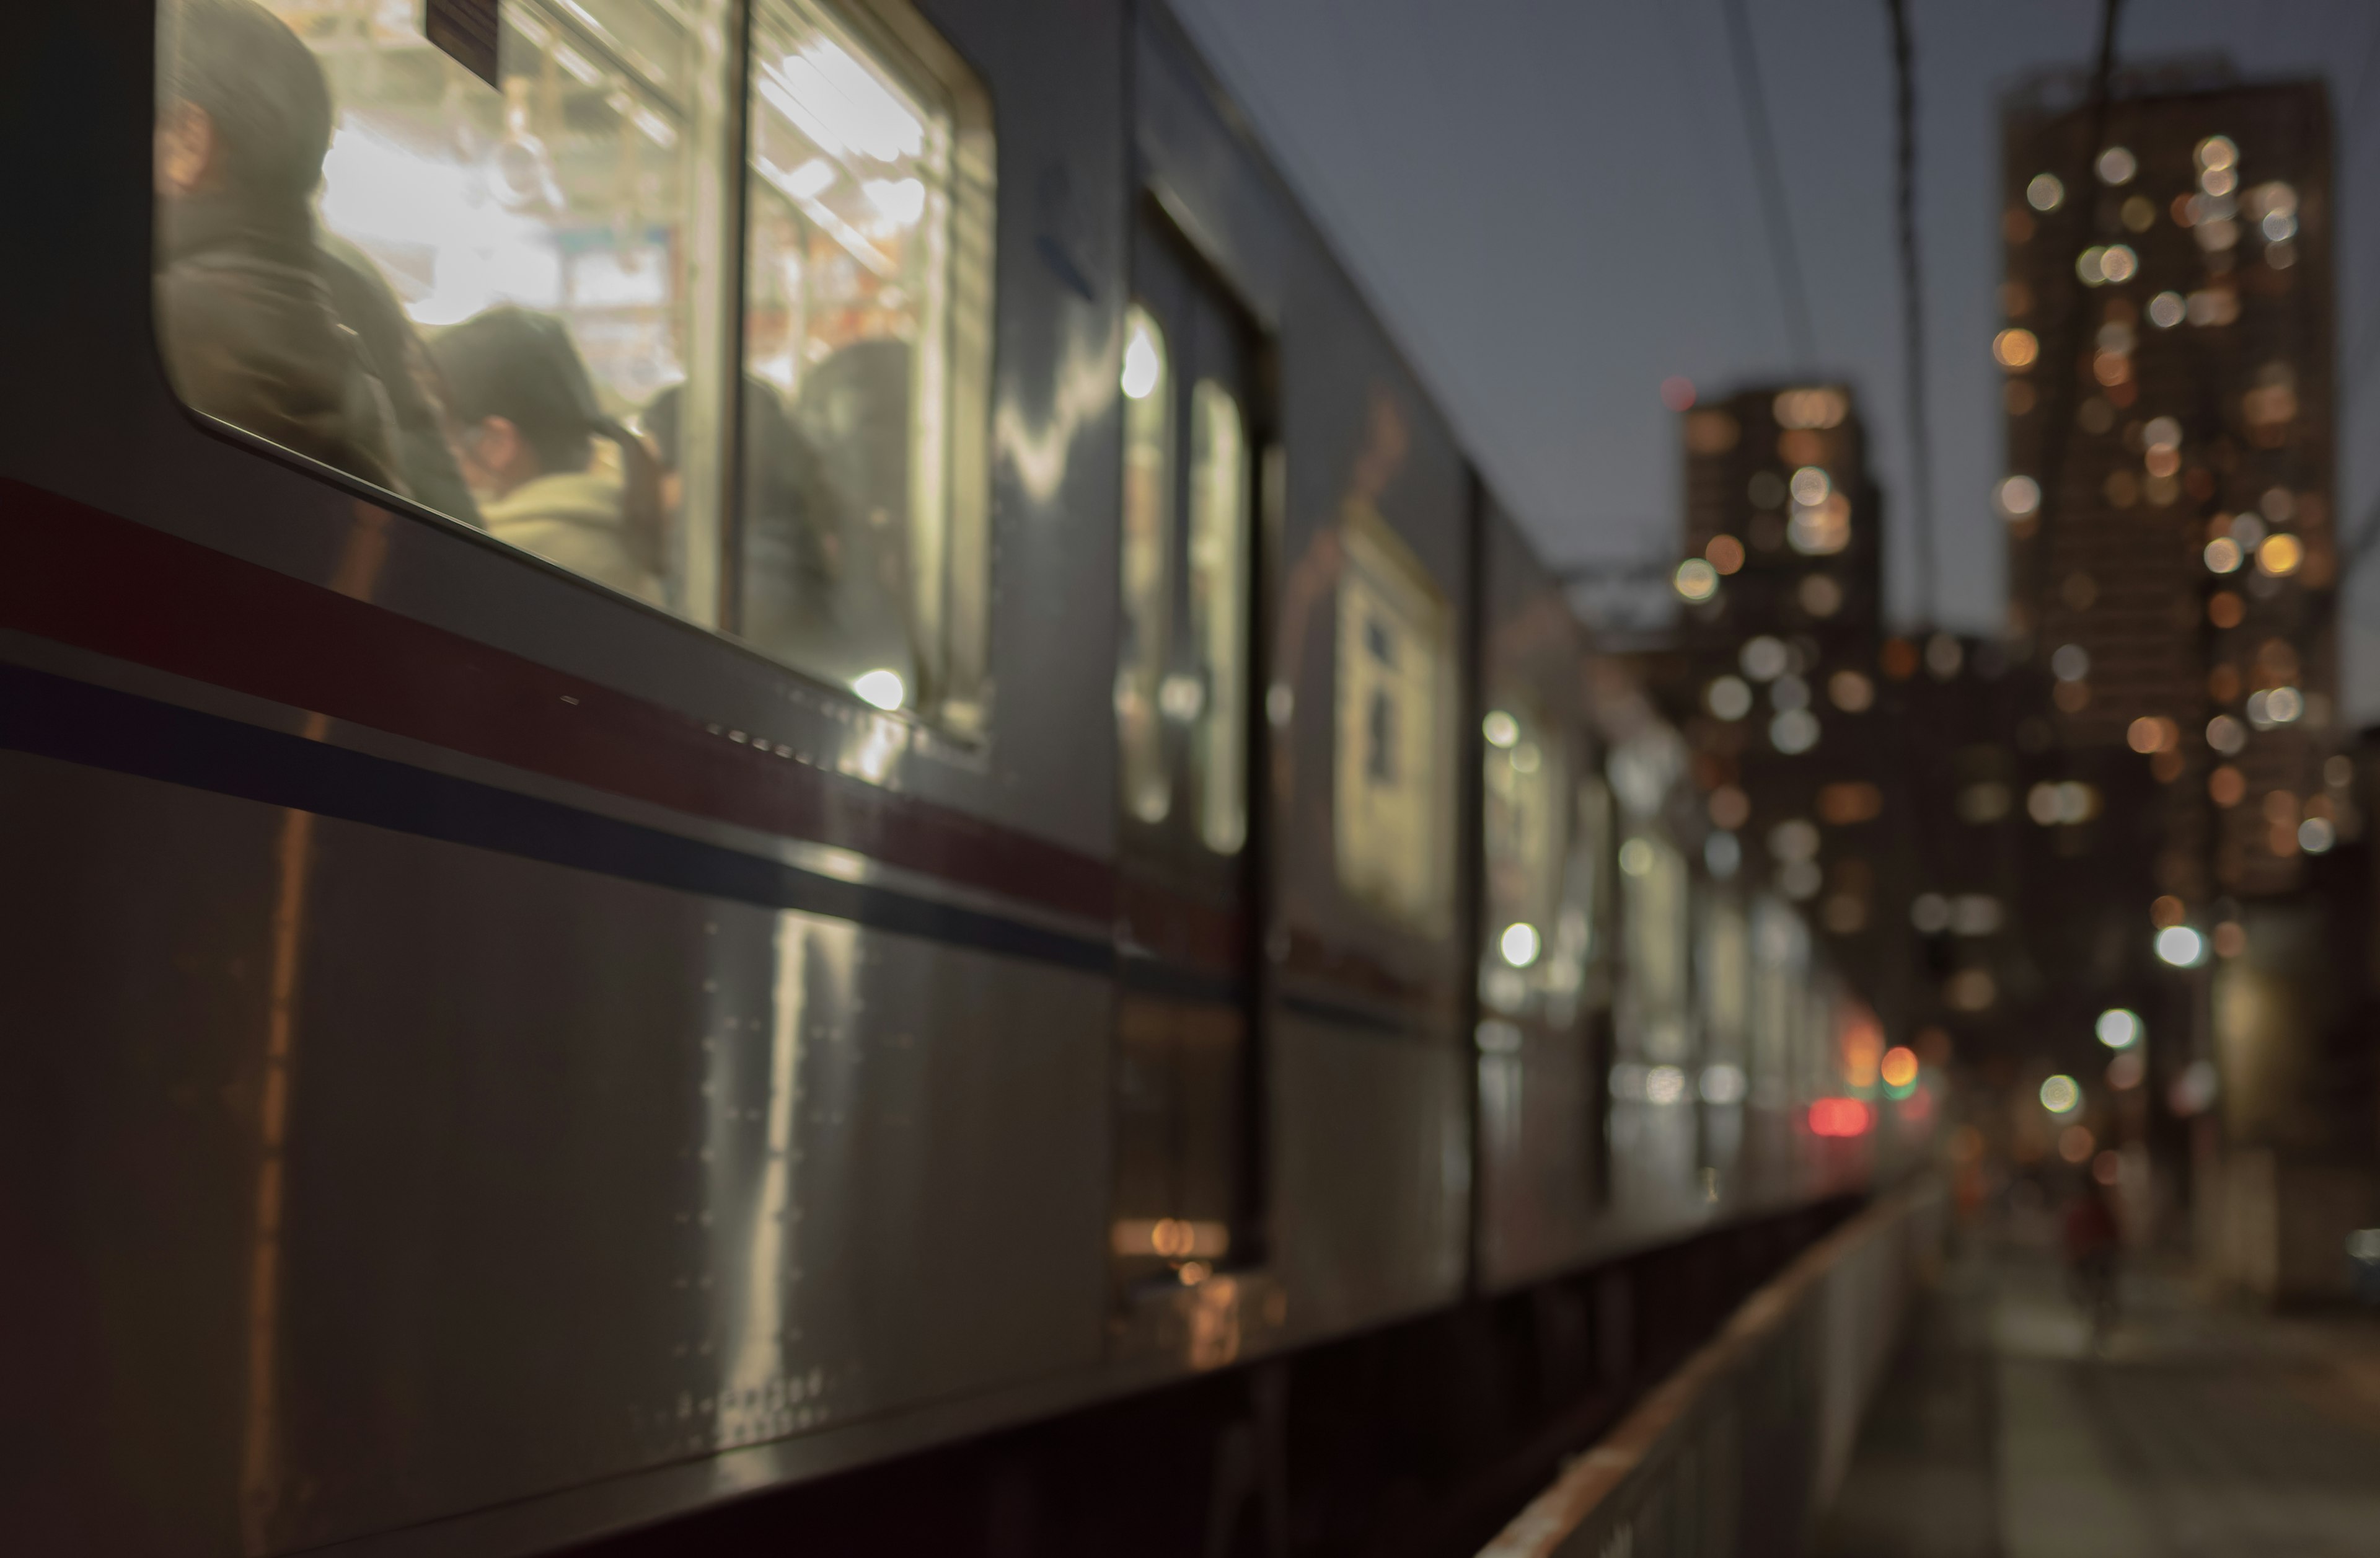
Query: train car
[{"x": 740, "y": 736}]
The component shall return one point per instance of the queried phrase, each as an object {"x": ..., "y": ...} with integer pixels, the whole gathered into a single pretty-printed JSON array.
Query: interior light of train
[
  {"x": 1838, "y": 1117},
  {"x": 2060, "y": 1094},
  {"x": 1637, "y": 858},
  {"x": 2117, "y": 164},
  {"x": 900, "y": 200},
  {"x": 1810, "y": 486},
  {"x": 2181, "y": 946},
  {"x": 884, "y": 688},
  {"x": 2046, "y": 192},
  {"x": 1500, "y": 728},
  {"x": 2223, "y": 556},
  {"x": 1520, "y": 944},
  {"x": 1665, "y": 1084},
  {"x": 2119, "y": 1028},
  {"x": 2167, "y": 309},
  {"x": 839, "y": 104},
  {"x": 1722, "y": 855},
  {"x": 2316, "y": 835}
]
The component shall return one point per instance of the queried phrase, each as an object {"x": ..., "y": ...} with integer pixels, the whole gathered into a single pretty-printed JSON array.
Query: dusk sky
[{"x": 1555, "y": 206}]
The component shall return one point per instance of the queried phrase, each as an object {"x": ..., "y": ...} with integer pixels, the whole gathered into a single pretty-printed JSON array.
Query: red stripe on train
[{"x": 84, "y": 577}]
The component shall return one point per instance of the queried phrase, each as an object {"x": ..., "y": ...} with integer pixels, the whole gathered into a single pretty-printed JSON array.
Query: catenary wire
[{"x": 1756, "y": 129}]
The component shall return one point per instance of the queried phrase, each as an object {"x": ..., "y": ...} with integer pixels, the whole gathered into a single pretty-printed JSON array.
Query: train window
[
  {"x": 1392, "y": 675},
  {"x": 1220, "y": 479},
  {"x": 1146, "y": 554},
  {"x": 865, "y": 321},
  {"x": 509, "y": 298},
  {"x": 1725, "y": 966},
  {"x": 1655, "y": 930},
  {"x": 1537, "y": 935}
]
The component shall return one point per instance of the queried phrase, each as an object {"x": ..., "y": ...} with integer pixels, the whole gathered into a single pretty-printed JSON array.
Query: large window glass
[
  {"x": 501, "y": 285},
  {"x": 1393, "y": 696}
]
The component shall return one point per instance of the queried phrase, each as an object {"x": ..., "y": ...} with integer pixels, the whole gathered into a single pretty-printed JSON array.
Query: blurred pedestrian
[{"x": 2093, "y": 1244}]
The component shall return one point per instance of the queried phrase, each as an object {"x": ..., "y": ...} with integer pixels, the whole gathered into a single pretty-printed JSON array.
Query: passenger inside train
[
  {"x": 525, "y": 420},
  {"x": 374, "y": 256},
  {"x": 247, "y": 321}
]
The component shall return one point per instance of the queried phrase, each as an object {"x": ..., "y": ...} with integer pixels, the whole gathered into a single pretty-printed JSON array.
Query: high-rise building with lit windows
[
  {"x": 2165, "y": 346},
  {"x": 1773, "y": 671},
  {"x": 1781, "y": 508}
]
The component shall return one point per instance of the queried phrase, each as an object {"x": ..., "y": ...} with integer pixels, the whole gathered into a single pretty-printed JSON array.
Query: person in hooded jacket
[
  {"x": 246, "y": 324},
  {"x": 527, "y": 418}
]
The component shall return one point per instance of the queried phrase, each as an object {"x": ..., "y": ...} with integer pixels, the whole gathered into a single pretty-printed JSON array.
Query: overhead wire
[
  {"x": 1757, "y": 129},
  {"x": 1913, "y": 303}
]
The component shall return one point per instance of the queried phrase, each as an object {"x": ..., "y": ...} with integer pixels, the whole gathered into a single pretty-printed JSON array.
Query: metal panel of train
[{"x": 741, "y": 733}]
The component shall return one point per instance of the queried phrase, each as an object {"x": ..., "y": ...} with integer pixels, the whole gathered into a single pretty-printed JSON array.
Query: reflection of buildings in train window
[
  {"x": 592, "y": 186},
  {"x": 1145, "y": 555},
  {"x": 1220, "y": 479},
  {"x": 1655, "y": 930},
  {"x": 1392, "y": 671}
]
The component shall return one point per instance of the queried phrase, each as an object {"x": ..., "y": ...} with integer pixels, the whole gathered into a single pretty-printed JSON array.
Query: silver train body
[{"x": 490, "y": 1063}]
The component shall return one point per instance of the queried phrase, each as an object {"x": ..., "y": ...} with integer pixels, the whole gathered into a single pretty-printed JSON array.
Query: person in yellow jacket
[{"x": 526, "y": 421}]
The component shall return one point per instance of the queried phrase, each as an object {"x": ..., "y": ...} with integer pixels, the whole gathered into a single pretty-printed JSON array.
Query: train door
[{"x": 1186, "y": 1199}]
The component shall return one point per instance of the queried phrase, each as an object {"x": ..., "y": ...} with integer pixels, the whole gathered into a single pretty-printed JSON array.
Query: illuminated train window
[
  {"x": 1394, "y": 700},
  {"x": 1221, "y": 477},
  {"x": 1147, "y": 581},
  {"x": 500, "y": 287}
]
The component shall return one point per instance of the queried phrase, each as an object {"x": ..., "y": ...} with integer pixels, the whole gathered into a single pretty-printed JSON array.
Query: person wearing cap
[{"x": 527, "y": 418}]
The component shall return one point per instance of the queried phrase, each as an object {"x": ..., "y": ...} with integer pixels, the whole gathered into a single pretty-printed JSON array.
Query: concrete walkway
[{"x": 2195, "y": 1429}]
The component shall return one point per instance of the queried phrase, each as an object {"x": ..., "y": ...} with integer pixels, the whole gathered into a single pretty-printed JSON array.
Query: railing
[{"x": 1733, "y": 1453}]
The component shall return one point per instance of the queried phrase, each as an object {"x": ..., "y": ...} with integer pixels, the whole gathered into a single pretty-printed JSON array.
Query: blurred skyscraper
[
  {"x": 2170, "y": 483},
  {"x": 1774, "y": 669}
]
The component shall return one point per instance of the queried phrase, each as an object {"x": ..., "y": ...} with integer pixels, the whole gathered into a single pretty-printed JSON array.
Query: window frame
[{"x": 954, "y": 703}]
